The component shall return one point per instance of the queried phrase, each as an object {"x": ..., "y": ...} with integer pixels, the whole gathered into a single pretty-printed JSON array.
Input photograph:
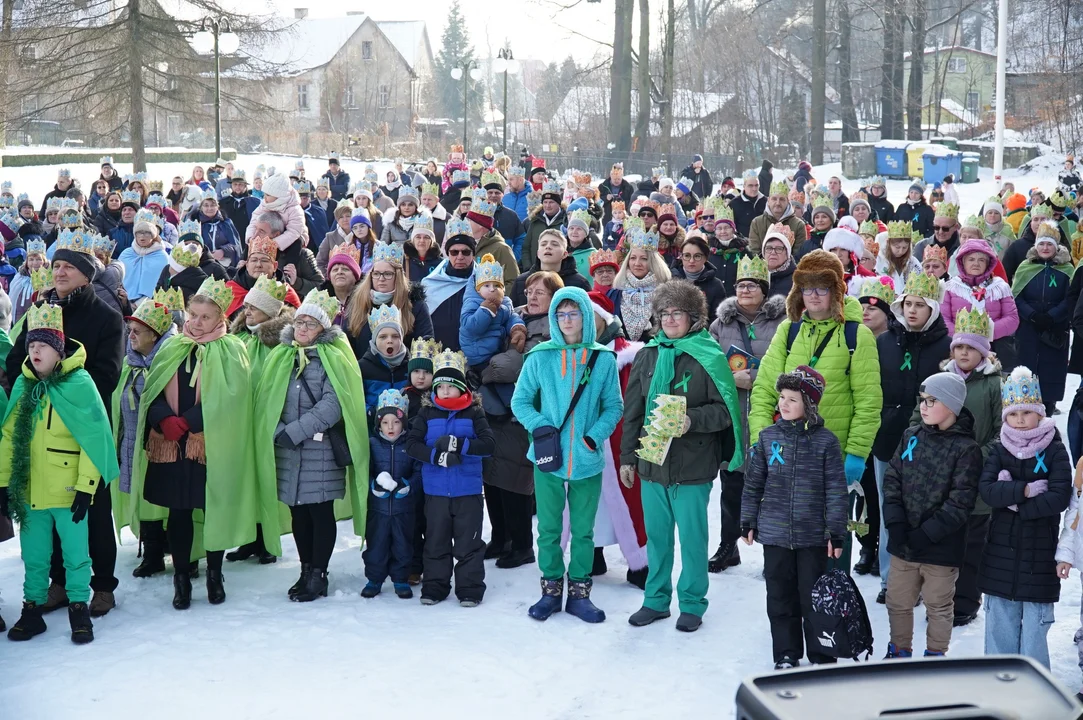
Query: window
[
  {"x": 351, "y": 102},
  {"x": 385, "y": 95},
  {"x": 30, "y": 105},
  {"x": 366, "y": 49},
  {"x": 957, "y": 65},
  {"x": 973, "y": 101},
  {"x": 302, "y": 96}
]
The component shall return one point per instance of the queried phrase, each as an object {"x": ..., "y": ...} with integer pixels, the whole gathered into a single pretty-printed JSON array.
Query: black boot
[
  {"x": 726, "y": 556},
  {"x": 599, "y": 568},
  {"x": 29, "y": 623},
  {"x": 243, "y": 552},
  {"x": 864, "y": 563},
  {"x": 315, "y": 586},
  {"x": 266, "y": 558},
  {"x": 216, "y": 589},
  {"x": 82, "y": 629},
  {"x": 516, "y": 558},
  {"x": 638, "y": 577},
  {"x": 182, "y": 591},
  {"x": 153, "y": 550},
  {"x": 300, "y": 584},
  {"x": 495, "y": 551}
]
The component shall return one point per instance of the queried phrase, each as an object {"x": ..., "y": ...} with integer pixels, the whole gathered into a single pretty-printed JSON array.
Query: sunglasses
[
  {"x": 460, "y": 253},
  {"x": 943, "y": 228}
]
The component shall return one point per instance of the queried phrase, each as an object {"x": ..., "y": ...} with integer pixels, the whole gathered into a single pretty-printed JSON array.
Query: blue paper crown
[
  {"x": 64, "y": 172},
  {"x": 479, "y": 205},
  {"x": 239, "y": 175},
  {"x": 488, "y": 270},
  {"x": 5, "y": 187},
  {"x": 550, "y": 187},
  {"x": 22, "y": 196},
  {"x": 423, "y": 223},
  {"x": 52, "y": 203},
  {"x": 131, "y": 196},
  {"x": 407, "y": 192},
  {"x": 102, "y": 243},
  {"x": 12, "y": 221},
  {"x": 139, "y": 177},
  {"x": 1021, "y": 388},
  {"x": 459, "y": 176},
  {"x": 76, "y": 241},
  {"x": 383, "y": 314},
  {"x": 190, "y": 227},
  {"x": 457, "y": 227},
  {"x": 302, "y": 187},
  {"x": 372, "y": 177},
  {"x": 388, "y": 252},
  {"x": 35, "y": 246},
  {"x": 156, "y": 199},
  {"x": 638, "y": 238},
  {"x": 393, "y": 399},
  {"x": 208, "y": 194},
  {"x": 145, "y": 215},
  {"x": 106, "y": 160}
]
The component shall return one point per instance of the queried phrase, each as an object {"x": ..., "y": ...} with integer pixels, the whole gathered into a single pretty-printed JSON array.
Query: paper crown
[
  {"x": 517, "y": 171},
  {"x": 345, "y": 249},
  {"x": 407, "y": 193},
  {"x": 916, "y": 237},
  {"x": 935, "y": 252},
  {"x": 53, "y": 204},
  {"x": 154, "y": 315},
  {"x": 430, "y": 189},
  {"x": 948, "y": 211},
  {"x": 552, "y": 187},
  {"x": 387, "y": 252},
  {"x": 869, "y": 228},
  {"x": 780, "y": 187},
  {"x": 724, "y": 212},
  {"x": 881, "y": 288},
  {"x": 878, "y": 181},
  {"x": 41, "y": 278},
  {"x": 12, "y": 221},
  {"x": 457, "y": 148},
  {"x": 392, "y": 398},
  {"x": 1021, "y": 388},
  {"x": 899, "y": 230},
  {"x": 131, "y": 197},
  {"x": 102, "y": 244},
  {"x": 1058, "y": 200},
  {"x": 22, "y": 197},
  {"x": 372, "y": 179},
  {"x": 380, "y": 315},
  {"x": 859, "y": 196},
  {"x": 64, "y": 172},
  {"x": 190, "y": 228},
  {"x": 820, "y": 200},
  {"x": 172, "y": 298},
  {"x": 238, "y": 175},
  {"x": 155, "y": 198},
  {"x": 106, "y": 160},
  {"x": 976, "y": 222},
  {"x": 45, "y": 317},
  {"x": 750, "y": 174},
  {"x": 217, "y": 291},
  {"x": 299, "y": 165},
  {"x": 640, "y": 238},
  {"x": 713, "y": 205},
  {"x": 75, "y": 241},
  {"x": 582, "y": 216},
  {"x": 423, "y": 349},
  {"x": 184, "y": 257},
  {"x": 1048, "y": 229},
  {"x": 923, "y": 285},
  {"x": 449, "y": 360},
  {"x": 533, "y": 199},
  {"x": 604, "y": 258},
  {"x": 147, "y": 216},
  {"x": 272, "y": 287},
  {"x": 976, "y": 322},
  {"x": 423, "y": 223},
  {"x": 491, "y": 178},
  {"x": 488, "y": 270},
  {"x": 480, "y": 206},
  {"x": 5, "y": 187},
  {"x": 35, "y": 246},
  {"x": 456, "y": 227},
  {"x": 139, "y": 177},
  {"x": 1041, "y": 210},
  {"x": 155, "y": 186},
  {"x": 460, "y": 177},
  {"x": 753, "y": 267},
  {"x": 263, "y": 245}
]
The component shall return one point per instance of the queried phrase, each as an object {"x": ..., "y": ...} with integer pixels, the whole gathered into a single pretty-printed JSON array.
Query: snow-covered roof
[
  {"x": 304, "y": 44},
  {"x": 959, "y": 112},
  {"x": 951, "y": 49},
  {"x": 406, "y": 36}
]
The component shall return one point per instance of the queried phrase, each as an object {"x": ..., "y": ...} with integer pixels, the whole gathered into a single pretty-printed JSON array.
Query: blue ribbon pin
[
  {"x": 908, "y": 454},
  {"x": 1039, "y": 466},
  {"x": 776, "y": 454}
]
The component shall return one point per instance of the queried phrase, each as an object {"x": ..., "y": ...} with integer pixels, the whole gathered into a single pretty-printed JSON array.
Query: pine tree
[{"x": 455, "y": 52}]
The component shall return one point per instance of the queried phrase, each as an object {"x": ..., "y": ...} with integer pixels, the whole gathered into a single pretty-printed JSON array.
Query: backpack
[
  {"x": 839, "y": 621},
  {"x": 849, "y": 331}
]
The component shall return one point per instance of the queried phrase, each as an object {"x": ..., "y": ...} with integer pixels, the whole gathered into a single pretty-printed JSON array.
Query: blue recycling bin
[
  {"x": 891, "y": 158},
  {"x": 939, "y": 161}
]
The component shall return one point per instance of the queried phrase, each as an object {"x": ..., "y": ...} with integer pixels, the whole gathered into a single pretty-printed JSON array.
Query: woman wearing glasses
[
  {"x": 386, "y": 284},
  {"x": 694, "y": 267},
  {"x": 916, "y": 211}
]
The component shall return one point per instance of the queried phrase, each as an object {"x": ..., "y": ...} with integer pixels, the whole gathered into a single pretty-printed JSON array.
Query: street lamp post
[
  {"x": 215, "y": 35},
  {"x": 467, "y": 71},
  {"x": 506, "y": 63}
]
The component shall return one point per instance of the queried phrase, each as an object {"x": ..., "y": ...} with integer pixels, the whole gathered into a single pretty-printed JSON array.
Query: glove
[
  {"x": 897, "y": 535},
  {"x": 1042, "y": 320},
  {"x": 283, "y": 439},
  {"x": 745, "y": 530},
  {"x": 918, "y": 540},
  {"x": 448, "y": 460},
  {"x": 1036, "y": 487},
  {"x": 4, "y": 503},
  {"x": 174, "y": 428},
  {"x": 447, "y": 444},
  {"x": 79, "y": 506},
  {"x": 628, "y": 475},
  {"x": 685, "y": 426},
  {"x": 854, "y": 468},
  {"x": 517, "y": 337},
  {"x": 590, "y": 443},
  {"x": 837, "y": 542},
  {"x": 387, "y": 482}
]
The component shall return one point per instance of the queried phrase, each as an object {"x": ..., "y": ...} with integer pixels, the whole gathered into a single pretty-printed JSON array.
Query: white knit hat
[
  {"x": 277, "y": 186},
  {"x": 844, "y": 238}
]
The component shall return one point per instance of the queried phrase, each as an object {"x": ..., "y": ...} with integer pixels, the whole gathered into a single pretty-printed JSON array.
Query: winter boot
[
  {"x": 371, "y": 590},
  {"x": 687, "y": 622},
  {"x": 863, "y": 566},
  {"x": 82, "y": 629},
  {"x": 894, "y": 652},
  {"x": 638, "y": 577},
  {"x": 579, "y": 603},
  {"x": 787, "y": 663},
  {"x": 403, "y": 591},
  {"x": 216, "y": 587},
  {"x": 266, "y": 558},
  {"x": 414, "y": 579},
  {"x": 881, "y": 598},
  {"x": 494, "y": 551},
  {"x": 29, "y": 623},
  {"x": 469, "y": 602},
  {"x": 726, "y": 556},
  {"x": 315, "y": 586},
  {"x": 551, "y": 600},
  {"x": 182, "y": 591},
  {"x": 963, "y": 619},
  {"x": 101, "y": 603},
  {"x": 933, "y": 653},
  {"x": 153, "y": 535},
  {"x": 298, "y": 586},
  {"x": 243, "y": 552},
  {"x": 645, "y": 616},
  {"x": 599, "y": 568},
  {"x": 516, "y": 558},
  {"x": 56, "y": 599},
  {"x": 193, "y": 570}
]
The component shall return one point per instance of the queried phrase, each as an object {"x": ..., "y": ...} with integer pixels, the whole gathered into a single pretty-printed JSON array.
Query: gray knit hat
[{"x": 948, "y": 388}]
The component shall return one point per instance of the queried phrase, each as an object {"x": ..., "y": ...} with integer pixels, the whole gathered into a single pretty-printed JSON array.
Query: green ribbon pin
[
  {"x": 683, "y": 384},
  {"x": 906, "y": 361}
]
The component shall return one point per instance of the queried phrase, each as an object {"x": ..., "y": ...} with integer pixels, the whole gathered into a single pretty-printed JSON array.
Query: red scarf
[{"x": 453, "y": 404}]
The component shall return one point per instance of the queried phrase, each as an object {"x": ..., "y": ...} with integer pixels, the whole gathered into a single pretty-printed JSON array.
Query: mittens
[{"x": 387, "y": 482}]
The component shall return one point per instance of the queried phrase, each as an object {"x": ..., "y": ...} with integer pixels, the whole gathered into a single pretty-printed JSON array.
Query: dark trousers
[
  {"x": 733, "y": 485},
  {"x": 872, "y": 502},
  {"x": 102, "y": 543},
  {"x": 453, "y": 529},
  {"x": 967, "y": 595},
  {"x": 314, "y": 531},
  {"x": 389, "y": 542},
  {"x": 790, "y": 575},
  {"x": 181, "y": 533},
  {"x": 509, "y": 514},
  {"x": 417, "y": 564}
]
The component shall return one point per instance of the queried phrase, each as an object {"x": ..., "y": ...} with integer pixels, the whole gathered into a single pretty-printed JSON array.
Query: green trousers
[
  {"x": 683, "y": 506},
  {"x": 36, "y": 542},
  {"x": 581, "y": 498}
]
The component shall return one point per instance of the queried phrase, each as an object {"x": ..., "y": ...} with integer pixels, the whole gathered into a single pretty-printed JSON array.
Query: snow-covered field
[{"x": 261, "y": 656}]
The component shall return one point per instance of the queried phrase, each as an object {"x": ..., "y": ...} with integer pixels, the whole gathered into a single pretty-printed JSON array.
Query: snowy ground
[{"x": 260, "y": 656}]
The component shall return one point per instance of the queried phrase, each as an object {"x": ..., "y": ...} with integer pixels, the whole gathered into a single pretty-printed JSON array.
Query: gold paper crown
[
  {"x": 782, "y": 229},
  {"x": 263, "y": 245},
  {"x": 923, "y": 285},
  {"x": 604, "y": 257},
  {"x": 872, "y": 246},
  {"x": 491, "y": 178},
  {"x": 974, "y": 322},
  {"x": 173, "y": 298},
  {"x": 449, "y": 360},
  {"x": 347, "y": 249},
  {"x": 324, "y": 301},
  {"x": 1048, "y": 229},
  {"x": 75, "y": 241},
  {"x": 456, "y": 148},
  {"x": 154, "y": 186},
  {"x": 387, "y": 252},
  {"x": 935, "y": 252},
  {"x": 1021, "y": 388},
  {"x": 1041, "y": 210},
  {"x": 859, "y": 195},
  {"x": 430, "y": 189},
  {"x": 820, "y": 200},
  {"x": 899, "y": 230},
  {"x": 488, "y": 270},
  {"x": 780, "y": 188},
  {"x": 42, "y": 278},
  {"x": 880, "y": 288},
  {"x": 714, "y": 204},
  {"x": 423, "y": 349},
  {"x": 581, "y": 215},
  {"x": 616, "y": 205},
  {"x": 724, "y": 212},
  {"x": 381, "y": 315},
  {"x": 45, "y": 317},
  {"x": 663, "y": 211},
  {"x": 154, "y": 315},
  {"x": 272, "y": 287},
  {"x": 217, "y": 291},
  {"x": 948, "y": 211},
  {"x": 186, "y": 258},
  {"x": 869, "y": 228},
  {"x": 753, "y": 268}
]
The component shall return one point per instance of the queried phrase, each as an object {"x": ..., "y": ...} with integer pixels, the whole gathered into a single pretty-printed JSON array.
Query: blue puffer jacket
[
  {"x": 391, "y": 458},
  {"x": 220, "y": 234},
  {"x": 517, "y": 201},
  {"x": 123, "y": 236},
  {"x": 378, "y": 376},
  {"x": 476, "y": 441},
  {"x": 480, "y": 334},
  {"x": 316, "y": 220},
  {"x": 340, "y": 184}
]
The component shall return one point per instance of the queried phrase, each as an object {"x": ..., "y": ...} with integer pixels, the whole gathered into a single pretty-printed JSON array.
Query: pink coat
[
  {"x": 986, "y": 292},
  {"x": 289, "y": 209}
]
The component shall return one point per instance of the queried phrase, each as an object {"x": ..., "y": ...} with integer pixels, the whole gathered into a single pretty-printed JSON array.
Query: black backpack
[{"x": 839, "y": 619}]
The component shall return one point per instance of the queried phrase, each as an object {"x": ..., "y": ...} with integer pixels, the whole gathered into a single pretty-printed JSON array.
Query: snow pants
[
  {"x": 683, "y": 506},
  {"x": 967, "y": 594},
  {"x": 510, "y": 516},
  {"x": 581, "y": 497},
  {"x": 453, "y": 530},
  {"x": 733, "y": 486},
  {"x": 389, "y": 539},
  {"x": 790, "y": 575},
  {"x": 36, "y": 542}
]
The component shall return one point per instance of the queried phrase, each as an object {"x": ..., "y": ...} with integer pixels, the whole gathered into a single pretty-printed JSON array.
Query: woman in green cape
[
  {"x": 309, "y": 384},
  {"x": 195, "y": 451}
]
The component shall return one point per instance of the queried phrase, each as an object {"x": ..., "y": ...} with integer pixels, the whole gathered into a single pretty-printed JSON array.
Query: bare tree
[
  {"x": 846, "y": 92},
  {"x": 819, "y": 80},
  {"x": 665, "y": 103},
  {"x": 620, "y": 76},
  {"x": 643, "y": 112}
]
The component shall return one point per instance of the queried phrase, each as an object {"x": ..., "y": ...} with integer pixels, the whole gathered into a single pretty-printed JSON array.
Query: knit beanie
[
  {"x": 948, "y": 388},
  {"x": 267, "y": 295},
  {"x": 277, "y": 186},
  {"x": 810, "y": 384},
  {"x": 361, "y": 217},
  {"x": 1021, "y": 391}
]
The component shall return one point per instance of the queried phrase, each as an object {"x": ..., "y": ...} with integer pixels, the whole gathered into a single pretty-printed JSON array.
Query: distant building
[{"x": 968, "y": 77}]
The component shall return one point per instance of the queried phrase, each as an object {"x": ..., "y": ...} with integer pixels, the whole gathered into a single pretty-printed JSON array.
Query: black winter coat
[
  {"x": 934, "y": 490},
  {"x": 766, "y": 177},
  {"x": 418, "y": 268},
  {"x": 882, "y": 210},
  {"x": 1017, "y": 251},
  {"x": 746, "y": 210},
  {"x": 568, "y": 273},
  {"x": 902, "y": 377},
  {"x": 709, "y": 285},
  {"x": 507, "y": 468},
  {"x": 610, "y": 193},
  {"x": 725, "y": 263},
  {"x": 782, "y": 279},
  {"x": 188, "y": 280},
  {"x": 180, "y": 484},
  {"x": 702, "y": 184},
  {"x": 1019, "y": 558},
  {"x": 920, "y": 216}
]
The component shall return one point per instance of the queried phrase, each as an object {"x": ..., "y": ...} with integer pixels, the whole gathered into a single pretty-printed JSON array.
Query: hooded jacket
[
  {"x": 482, "y": 334},
  {"x": 1019, "y": 250},
  {"x": 918, "y": 214},
  {"x": 759, "y": 227},
  {"x": 782, "y": 279},
  {"x": 882, "y": 210},
  {"x": 418, "y": 268},
  {"x": 985, "y": 292},
  {"x": 746, "y": 209},
  {"x": 1047, "y": 291}
]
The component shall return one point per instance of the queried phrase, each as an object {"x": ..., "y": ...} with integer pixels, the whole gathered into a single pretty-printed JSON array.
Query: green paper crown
[
  {"x": 217, "y": 291},
  {"x": 272, "y": 287},
  {"x": 780, "y": 188},
  {"x": 41, "y": 278},
  {"x": 45, "y": 317},
  {"x": 973, "y": 322},
  {"x": 821, "y": 200},
  {"x": 329, "y": 304},
  {"x": 900, "y": 230},
  {"x": 753, "y": 267},
  {"x": 186, "y": 258},
  {"x": 922, "y": 285},
  {"x": 154, "y": 315},
  {"x": 948, "y": 211},
  {"x": 877, "y": 288},
  {"x": 1041, "y": 211},
  {"x": 172, "y": 298},
  {"x": 869, "y": 228}
]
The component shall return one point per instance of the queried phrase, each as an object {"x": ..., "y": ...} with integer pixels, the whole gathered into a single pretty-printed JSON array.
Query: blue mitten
[{"x": 855, "y": 468}]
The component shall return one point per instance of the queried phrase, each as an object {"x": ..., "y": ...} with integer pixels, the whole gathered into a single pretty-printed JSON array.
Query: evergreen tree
[{"x": 455, "y": 52}]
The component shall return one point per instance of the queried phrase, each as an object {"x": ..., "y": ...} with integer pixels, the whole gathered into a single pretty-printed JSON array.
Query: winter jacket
[
  {"x": 931, "y": 484},
  {"x": 316, "y": 223},
  {"x": 1070, "y": 547},
  {"x": 882, "y": 210},
  {"x": 851, "y": 403},
  {"x": 142, "y": 270},
  {"x": 242, "y": 282},
  {"x": 702, "y": 184},
  {"x": 517, "y": 202},
  {"x": 123, "y": 235},
  {"x": 725, "y": 261},
  {"x": 907, "y": 359},
  {"x": 766, "y": 177},
  {"x": 1000, "y": 237},
  {"x": 782, "y": 279},
  {"x": 379, "y": 376},
  {"x": 188, "y": 280},
  {"x": 991, "y": 295},
  {"x": 266, "y": 337},
  {"x": 292, "y": 216},
  {"x": 307, "y": 473},
  {"x": 885, "y": 267},
  {"x": 475, "y": 442},
  {"x": 1047, "y": 292},
  {"x": 568, "y": 273},
  {"x": 132, "y": 389},
  {"x": 1019, "y": 562},
  {"x": 106, "y": 284},
  {"x": 418, "y": 268},
  {"x": 390, "y": 457},
  {"x": 952, "y": 246},
  {"x": 1018, "y": 251},
  {"x": 550, "y": 376},
  {"x": 493, "y": 244},
  {"x": 239, "y": 209},
  {"x": 393, "y": 231},
  {"x": 422, "y": 328},
  {"x": 609, "y": 193},
  {"x": 920, "y": 215},
  {"x": 309, "y": 276},
  {"x": 983, "y": 400},
  {"x": 731, "y": 328},
  {"x": 332, "y": 239},
  {"x": 339, "y": 184},
  {"x": 508, "y": 225},
  {"x": 482, "y": 334},
  {"x": 795, "y": 488},
  {"x": 106, "y": 220},
  {"x": 219, "y": 234},
  {"x": 759, "y": 227},
  {"x": 708, "y": 284},
  {"x": 537, "y": 223}
]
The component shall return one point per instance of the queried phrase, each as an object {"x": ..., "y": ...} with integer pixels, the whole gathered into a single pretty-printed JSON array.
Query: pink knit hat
[{"x": 976, "y": 245}]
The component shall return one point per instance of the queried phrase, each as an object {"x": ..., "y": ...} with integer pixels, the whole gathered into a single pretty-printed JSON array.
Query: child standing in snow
[
  {"x": 422, "y": 353},
  {"x": 1028, "y": 482},
  {"x": 796, "y": 510}
]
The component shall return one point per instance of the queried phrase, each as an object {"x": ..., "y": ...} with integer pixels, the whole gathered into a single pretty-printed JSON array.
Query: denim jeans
[
  {"x": 1013, "y": 627},
  {"x": 880, "y": 467}
]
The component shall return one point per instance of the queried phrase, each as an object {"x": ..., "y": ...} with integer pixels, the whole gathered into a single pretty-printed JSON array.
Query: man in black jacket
[
  {"x": 60, "y": 190},
  {"x": 749, "y": 205},
  {"x": 552, "y": 255},
  {"x": 702, "y": 184},
  {"x": 614, "y": 189},
  {"x": 238, "y": 205},
  {"x": 100, "y": 329},
  {"x": 109, "y": 174}
]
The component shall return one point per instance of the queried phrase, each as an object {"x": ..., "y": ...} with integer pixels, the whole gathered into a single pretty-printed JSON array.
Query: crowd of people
[{"x": 223, "y": 364}]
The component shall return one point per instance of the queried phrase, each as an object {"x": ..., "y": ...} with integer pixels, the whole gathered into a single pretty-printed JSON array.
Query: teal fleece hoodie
[{"x": 551, "y": 373}]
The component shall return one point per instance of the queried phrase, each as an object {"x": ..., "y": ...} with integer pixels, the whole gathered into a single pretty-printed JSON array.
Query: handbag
[
  {"x": 336, "y": 435},
  {"x": 548, "y": 456}
]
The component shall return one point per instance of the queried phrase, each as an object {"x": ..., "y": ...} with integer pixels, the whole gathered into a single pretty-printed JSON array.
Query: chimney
[{"x": 300, "y": 13}]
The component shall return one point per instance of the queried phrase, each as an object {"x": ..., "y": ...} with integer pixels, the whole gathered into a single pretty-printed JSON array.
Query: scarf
[
  {"x": 392, "y": 185},
  {"x": 381, "y": 298},
  {"x": 441, "y": 284},
  {"x": 635, "y": 304},
  {"x": 154, "y": 247},
  {"x": 280, "y": 203},
  {"x": 692, "y": 277},
  {"x": 704, "y": 350},
  {"x": 453, "y": 404},
  {"x": 395, "y": 360},
  {"x": 1028, "y": 443}
]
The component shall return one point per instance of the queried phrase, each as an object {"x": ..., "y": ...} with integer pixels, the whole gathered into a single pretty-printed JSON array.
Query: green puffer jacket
[{"x": 851, "y": 403}]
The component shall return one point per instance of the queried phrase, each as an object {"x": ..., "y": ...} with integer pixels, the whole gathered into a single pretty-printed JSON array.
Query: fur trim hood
[
  {"x": 270, "y": 332},
  {"x": 773, "y": 307},
  {"x": 1063, "y": 256},
  {"x": 818, "y": 268},
  {"x": 324, "y": 338},
  {"x": 989, "y": 366},
  {"x": 683, "y": 295}
]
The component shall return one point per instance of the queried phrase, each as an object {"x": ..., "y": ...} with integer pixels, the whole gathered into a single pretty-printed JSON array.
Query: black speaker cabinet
[{"x": 1000, "y": 687}]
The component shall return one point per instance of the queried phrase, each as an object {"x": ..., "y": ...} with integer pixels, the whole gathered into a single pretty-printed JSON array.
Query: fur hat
[
  {"x": 682, "y": 295},
  {"x": 818, "y": 268}
]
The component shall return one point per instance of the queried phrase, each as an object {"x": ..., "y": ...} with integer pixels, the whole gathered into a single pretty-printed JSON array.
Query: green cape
[
  {"x": 257, "y": 354},
  {"x": 232, "y": 496},
  {"x": 340, "y": 364},
  {"x": 1028, "y": 269},
  {"x": 704, "y": 349}
]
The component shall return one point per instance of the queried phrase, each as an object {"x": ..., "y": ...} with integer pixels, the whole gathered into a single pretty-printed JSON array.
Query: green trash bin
[{"x": 970, "y": 170}]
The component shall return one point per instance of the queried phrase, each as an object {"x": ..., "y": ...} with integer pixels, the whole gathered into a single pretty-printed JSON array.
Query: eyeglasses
[
  {"x": 929, "y": 401},
  {"x": 306, "y": 324},
  {"x": 674, "y": 316},
  {"x": 818, "y": 292},
  {"x": 383, "y": 275},
  {"x": 943, "y": 228},
  {"x": 693, "y": 258},
  {"x": 774, "y": 250},
  {"x": 459, "y": 253},
  {"x": 569, "y": 315},
  {"x": 747, "y": 287}
]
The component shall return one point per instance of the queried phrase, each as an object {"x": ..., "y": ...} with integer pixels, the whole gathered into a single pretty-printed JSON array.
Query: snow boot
[
  {"x": 894, "y": 652},
  {"x": 243, "y": 552},
  {"x": 429, "y": 600},
  {"x": 863, "y": 566},
  {"x": 579, "y": 603},
  {"x": 193, "y": 570},
  {"x": 881, "y": 598},
  {"x": 495, "y": 551},
  {"x": 645, "y": 616},
  {"x": 82, "y": 629},
  {"x": 315, "y": 586},
  {"x": 687, "y": 622},
  {"x": 216, "y": 587},
  {"x": 56, "y": 599},
  {"x": 414, "y": 579},
  {"x": 638, "y": 577},
  {"x": 182, "y": 591},
  {"x": 726, "y": 556},
  {"x": 403, "y": 591},
  {"x": 371, "y": 590},
  {"x": 152, "y": 536},
  {"x": 551, "y": 600},
  {"x": 469, "y": 603},
  {"x": 29, "y": 623},
  {"x": 516, "y": 558},
  {"x": 298, "y": 586},
  {"x": 963, "y": 619},
  {"x": 787, "y": 663},
  {"x": 933, "y": 653},
  {"x": 101, "y": 603},
  {"x": 599, "y": 567}
]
